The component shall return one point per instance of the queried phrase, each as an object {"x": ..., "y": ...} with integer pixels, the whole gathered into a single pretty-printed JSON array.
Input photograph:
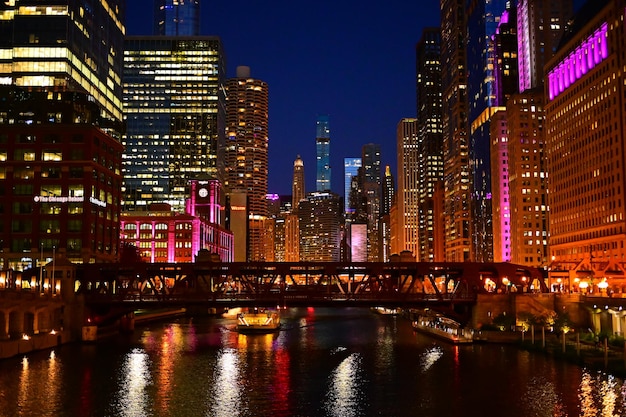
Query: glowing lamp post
[{"x": 603, "y": 285}]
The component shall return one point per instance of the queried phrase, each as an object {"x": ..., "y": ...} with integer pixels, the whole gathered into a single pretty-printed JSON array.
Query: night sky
[{"x": 353, "y": 60}]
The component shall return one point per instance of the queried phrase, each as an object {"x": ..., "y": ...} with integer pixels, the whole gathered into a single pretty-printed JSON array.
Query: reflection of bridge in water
[{"x": 448, "y": 286}]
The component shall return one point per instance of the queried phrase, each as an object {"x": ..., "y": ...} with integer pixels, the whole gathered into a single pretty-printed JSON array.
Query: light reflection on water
[
  {"x": 225, "y": 388},
  {"x": 430, "y": 356},
  {"x": 135, "y": 377},
  {"x": 338, "y": 363},
  {"x": 602, "y": 395},
  {"x": 345, "y": 397}
]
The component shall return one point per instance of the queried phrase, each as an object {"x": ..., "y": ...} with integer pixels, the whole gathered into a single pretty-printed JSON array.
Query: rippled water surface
[{"x": 324, "y": 362}]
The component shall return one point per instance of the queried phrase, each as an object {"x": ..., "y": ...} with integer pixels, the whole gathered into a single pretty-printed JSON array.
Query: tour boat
[
  {"x": 258, "y": 321},
  {"x": 385, "y": 311},
  {"x": 443, "y": 328}
]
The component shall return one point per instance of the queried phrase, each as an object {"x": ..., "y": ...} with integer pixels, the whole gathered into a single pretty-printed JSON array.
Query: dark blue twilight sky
[{"x": 353, "y": 60}]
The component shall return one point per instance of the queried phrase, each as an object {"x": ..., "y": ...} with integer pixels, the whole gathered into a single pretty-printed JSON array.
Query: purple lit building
[{"x": 586, "y": 150}]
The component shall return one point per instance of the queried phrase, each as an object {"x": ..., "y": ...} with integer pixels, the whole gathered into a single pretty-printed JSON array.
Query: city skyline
[{"x": 360, "y": 70}]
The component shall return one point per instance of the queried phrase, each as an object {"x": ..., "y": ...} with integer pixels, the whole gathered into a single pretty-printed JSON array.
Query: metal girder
[{"x": 250, "y": 280}]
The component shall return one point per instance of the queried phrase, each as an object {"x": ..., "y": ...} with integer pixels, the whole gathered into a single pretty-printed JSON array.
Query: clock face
[{"x": 203, "y": 192}]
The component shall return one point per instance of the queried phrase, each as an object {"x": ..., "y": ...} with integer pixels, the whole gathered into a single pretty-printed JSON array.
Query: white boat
[
  {"x": 258, "y": 321},
  {"x": 385, "y": 311},
  {"x": 443, "y": 328}
]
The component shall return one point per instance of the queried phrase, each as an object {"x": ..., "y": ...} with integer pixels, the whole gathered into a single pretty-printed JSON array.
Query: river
[{"x": 342, "y": 362}]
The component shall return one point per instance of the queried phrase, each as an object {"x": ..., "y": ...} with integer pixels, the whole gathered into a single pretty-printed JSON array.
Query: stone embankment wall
[{"x": 490, "y": 306}]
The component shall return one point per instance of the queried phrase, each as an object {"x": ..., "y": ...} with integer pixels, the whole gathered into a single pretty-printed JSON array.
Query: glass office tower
[
  {"x": 174, "y": 111},
  {"x": 66, "y": 46},
  {"x": 351, "y": 169},
  {"x": 177, "y": 17},
  {"x": 322, "y": 147}
]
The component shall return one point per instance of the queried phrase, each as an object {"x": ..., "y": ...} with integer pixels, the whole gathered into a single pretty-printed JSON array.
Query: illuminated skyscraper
[
  {"x": 174, "y": 109},
  {"x": 540, "y": 26},
  {"x": 429, "y": 163},
  {"x": 455, "y": 139},
  {"x": 66, "y": 46},
  {"x": 298, "y": 187},
  {"x": 505, "y": 83},
  {"x": 523, "y": 214},
  {"x": 177, "y": 17},
  {"x": 585, "y": 146},
  {"x": 384, "y": 223},
  {"x": 370, "y": 157},
  {"x": 389, "y": 191},
  {"x": 482, "y": 20},
  {"x": 320, "y": 217},
  {"x": 60, "y": 124},
  {"x": 408, "y": 179},
  {"x": 246, "y": 151},
  {"x": 350, "y": 169},
  {"x": 322, "y": 147}
]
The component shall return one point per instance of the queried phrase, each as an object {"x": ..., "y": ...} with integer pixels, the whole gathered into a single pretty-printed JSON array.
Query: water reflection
[
  {"x": 429, "y": 357},
  {"x": 344, "y": 363},
  {"x": 602, "y": 395},
  {"x": 345, "y": 396},
  {"x": 24, "y": 384},
  {"x": 225, "y": 387},
  {"x": 135, "y": 378},
  {"x": 541, "y": 399}
]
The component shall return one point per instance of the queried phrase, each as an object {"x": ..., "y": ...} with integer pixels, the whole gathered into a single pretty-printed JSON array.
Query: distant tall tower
[
  {"x": 177, "y": 17},
  {"x": 350, "y": 169},
  {"x": 408, "y": 179},
  {"x": 370, "y": 156},
  {"x": 389, "y": 191},
  {"x": 297, "y": 188},
  {"x": 429, "y": 142},
  {"x": 455, "y": 138},
  {"x": 246, "y": 148},
  {"x": 322, "y": 147}
]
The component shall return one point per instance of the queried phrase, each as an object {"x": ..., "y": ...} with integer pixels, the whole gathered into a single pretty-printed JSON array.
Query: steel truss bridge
[{"x": 450, "y": 286}]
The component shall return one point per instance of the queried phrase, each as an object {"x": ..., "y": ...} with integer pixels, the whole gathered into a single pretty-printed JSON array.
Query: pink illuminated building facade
[
  {"x": 585, "y": 148},
  {"x": 162, "y": 235}
]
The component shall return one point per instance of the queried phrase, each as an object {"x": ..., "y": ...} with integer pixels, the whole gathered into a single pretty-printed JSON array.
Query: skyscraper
[
  {"x": 585, "y": 147},
  {"x": 540, "y": 26},
  {"x": 350, "y": 169},
  {"x": 408, "y": 179},
  {"x": 320, "y": 217},
  {"x": 389, "y": 191},
  {"x": 370, "y": 156},
  {"x": 60, "y": 124},
  {"x": 455, "y": 138},
  {"x": 527, "y": 188},
  {"x": 177, "y": 17},
  {"x": 429, "y": 163},
  {"x": 51, "y": 47},
  {"x": 482, "y": 20},
  {"x": 297, "y": 188},
  {"x": 246, "y": 150},
  {"x": 384, "y": 223},
  {"x": 174, "y": 110},
  {"x": 505, "y": 83},
  {"x": 322, "y": 147}
]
